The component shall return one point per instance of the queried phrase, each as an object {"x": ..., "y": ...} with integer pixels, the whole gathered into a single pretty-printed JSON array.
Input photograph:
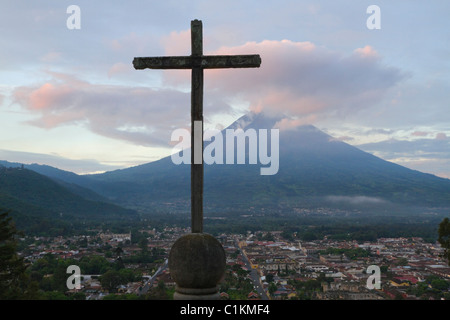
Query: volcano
[{"x": 315, "y": 169}]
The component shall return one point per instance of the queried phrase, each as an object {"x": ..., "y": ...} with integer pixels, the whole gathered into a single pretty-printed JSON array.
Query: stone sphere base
[{"x": 197, "y": 264}]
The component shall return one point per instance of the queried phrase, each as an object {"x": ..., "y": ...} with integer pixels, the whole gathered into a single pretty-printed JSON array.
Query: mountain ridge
[
  {"x": 36, "y": 199},
  {"x": 312, "y": 164},
  {"x": 315, "y": 170}
]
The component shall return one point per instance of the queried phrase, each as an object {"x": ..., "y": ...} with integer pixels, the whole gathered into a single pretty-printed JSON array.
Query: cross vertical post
[{"x": 196, "y": 115}]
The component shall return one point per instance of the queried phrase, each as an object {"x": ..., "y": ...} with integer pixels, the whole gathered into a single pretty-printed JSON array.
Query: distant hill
[
  {"x": 67, "y": 179},
  {"x": 36, "y": 198},
  {"x": 315, "y": 170}
]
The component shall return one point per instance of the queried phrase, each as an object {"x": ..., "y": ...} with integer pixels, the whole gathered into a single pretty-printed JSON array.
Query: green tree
[
  {"x": 78, "y": 296},
  {"x": 118, "y": 251},
  {"x": 143, "y": 244},
  {"x": 60, "y": 276},
  {"x": 111, "y": 280},
  {"x": 287, "y": 235},
  {"x": 54, "y": 295},
  {"x": 402, "y": 262},
  {"x": 268, "y": 237},
  {"x": 119, "y": 265},
  {"x": 272, "y": 288},
  {"x": 14, "y": 282},
  {"x": 444, "y": 237},
  {"x": 128, "y": 275},
  {"x": 158, "y": 293},
  {"x": 83, "y": 243},
  {"x": 420, "y": 289},
  {"x": 309, "y": 236},
  {"x": 128, "y": 296},
  {"x": 440, "y": 284},
  {"x": 398, "y": 296},
  {"x": 144, "y": 255},
  {"x": 94, "y": 265}
]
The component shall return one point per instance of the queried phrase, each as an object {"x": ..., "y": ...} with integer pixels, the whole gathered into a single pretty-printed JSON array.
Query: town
[{"x": 260, "y": 266}]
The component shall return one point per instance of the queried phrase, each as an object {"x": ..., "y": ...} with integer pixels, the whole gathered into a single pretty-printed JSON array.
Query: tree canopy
[
  {"x": 444, "y": 237},
  {"x": 14, "y": 283}
]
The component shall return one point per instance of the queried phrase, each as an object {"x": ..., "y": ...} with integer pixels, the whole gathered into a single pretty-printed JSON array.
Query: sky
[{"x": 70, "y": 97}]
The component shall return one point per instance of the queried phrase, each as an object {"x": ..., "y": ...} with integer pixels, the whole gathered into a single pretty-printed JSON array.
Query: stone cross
[{"x": 197, "y": 62}]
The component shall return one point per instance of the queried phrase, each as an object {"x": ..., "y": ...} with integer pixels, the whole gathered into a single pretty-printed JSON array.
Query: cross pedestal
[
  {"x": 197, "y": 260},
  {"x": 197, "y": 264}
]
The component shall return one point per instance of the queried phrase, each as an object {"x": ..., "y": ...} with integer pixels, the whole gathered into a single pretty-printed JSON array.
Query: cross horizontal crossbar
[{"x": 204, "y": 62}]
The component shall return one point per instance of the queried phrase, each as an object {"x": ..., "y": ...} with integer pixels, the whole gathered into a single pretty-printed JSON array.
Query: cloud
[
  {"x": 420, "y": 134},
  {"x": 119, "y": 68},
  {"x": 137, "y": 114},
  {"x": 418, "y": 103},
  {"x": 431, "y": 155},
  {"x": 380, "y": 131},
  {"x": 367, "y": 52},
  {"x": 441, "y": 136},
  {"x": 421, "y": 147},
  {"x": 52, "y": 57},
  {"x": 177, "y": 43},
  {"x": 345, "y": 138},
  {"x": 300, "y": 80},
  {"x": 82, "y": 166},
  {"x": 303, "y": 80},
  {"x": 356, "y": 200},
  {"x": 289, "y": 123},
  {"x": 139, "y": 44}
]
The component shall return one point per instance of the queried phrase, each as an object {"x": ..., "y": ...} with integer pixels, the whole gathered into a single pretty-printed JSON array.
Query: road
[
  {"x": 255, "y": 278},
  {"x": 149, "y": 282}
]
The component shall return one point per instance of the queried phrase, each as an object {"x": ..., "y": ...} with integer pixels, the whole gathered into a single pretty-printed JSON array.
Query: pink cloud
[
  {"x": 345, "y": 138},
  {"x": 298, "y": 79},
  {"x": 52, "y": 56},
  {"x": 119, "y": 68},
  {"x": 419, "y": 133},
  {"x": 287, "y": 123},
  {"x": 45, "y": 97},
  {"x": 141, "y": 115},
  {"x": 441, "y": 136},
  {"x": 177, "y": 43},
  {"x": 367, "y": 52},
  {"x": 139, "y": 44}
]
